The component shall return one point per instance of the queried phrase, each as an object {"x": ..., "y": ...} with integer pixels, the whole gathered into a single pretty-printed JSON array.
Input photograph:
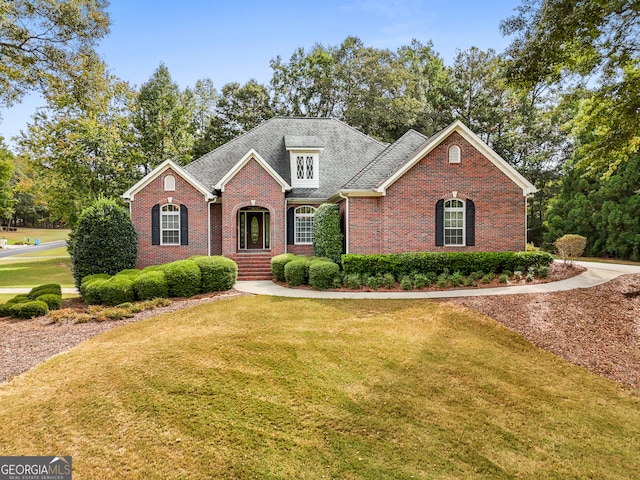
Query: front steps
[{"x": 253, "y": 266}]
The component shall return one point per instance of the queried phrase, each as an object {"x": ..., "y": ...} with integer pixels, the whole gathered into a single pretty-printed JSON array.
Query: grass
[
  {"x": 44, "y": 234},
  {"x": 272, "y": 388},
  {"x": 36, "y": 271},
  {"x": 52, "y": 252}
]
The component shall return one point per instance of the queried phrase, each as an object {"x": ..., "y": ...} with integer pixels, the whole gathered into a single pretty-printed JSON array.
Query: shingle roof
[
  {"x": 346, "y": 151},
  {"x": 388, "y": 162}
]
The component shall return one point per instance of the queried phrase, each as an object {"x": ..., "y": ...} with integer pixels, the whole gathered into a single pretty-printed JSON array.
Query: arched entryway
[{"x": 254, "y": 229}]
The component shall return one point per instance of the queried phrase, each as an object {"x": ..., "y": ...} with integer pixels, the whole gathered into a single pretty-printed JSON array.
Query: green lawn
[
  {"x": 43, "y": 234},
  {"x": 36, "y": 271},
  {"x": 263, "y": 387}
]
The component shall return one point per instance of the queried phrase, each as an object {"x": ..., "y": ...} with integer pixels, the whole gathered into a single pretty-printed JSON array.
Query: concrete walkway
[{"x": 596, "y": 274}]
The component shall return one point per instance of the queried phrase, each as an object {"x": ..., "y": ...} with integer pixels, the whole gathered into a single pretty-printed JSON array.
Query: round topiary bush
[
  {"x": 218, "y": 273},
  {"x": 103, "y": 241},
  {"x": 90, "y": 290},
  {"x": 183, "y": 278},
  {"x": 52, "y": 288},
  {"x": 278, "y": 263},
  {"x": 31, "y": 309},
  {"x": 5, "y": 309},
  {"x": 296, "y": 272},
  {"x": 323, "y": 274},
  {"x": 53, "y": 301},
  {"x": 118, "y": 289},
  {"x": 150, "y": 285}
]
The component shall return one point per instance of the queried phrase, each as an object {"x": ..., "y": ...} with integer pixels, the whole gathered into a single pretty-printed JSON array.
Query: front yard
[{"x": 261, "y": 387}]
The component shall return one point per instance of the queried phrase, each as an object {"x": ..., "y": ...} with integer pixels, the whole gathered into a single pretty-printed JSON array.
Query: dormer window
[{"x": 304, "y": 152}]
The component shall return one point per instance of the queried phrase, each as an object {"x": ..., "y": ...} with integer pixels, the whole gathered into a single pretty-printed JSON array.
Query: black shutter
[
  {"x": 155, "y": 225},
  {"x": 470, "y": 223},
  {"x": 439, "y": 223},
  {"x": 290, "y": 226},
  {"x": 184, "y": 225}
]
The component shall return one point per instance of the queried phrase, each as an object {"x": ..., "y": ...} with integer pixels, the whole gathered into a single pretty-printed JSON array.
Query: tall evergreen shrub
[
  {"x": 327, "y": 235},
  {"x": 103, "y": 241}
]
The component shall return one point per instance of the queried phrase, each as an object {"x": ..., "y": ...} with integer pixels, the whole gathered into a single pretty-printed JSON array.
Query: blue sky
[{"x": 233, "y": 41}]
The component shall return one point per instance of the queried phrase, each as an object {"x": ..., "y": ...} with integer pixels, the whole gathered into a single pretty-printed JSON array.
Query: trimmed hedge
[
  {"x": 90, "y": 290},
  {"x": 296, "y": 272},
  {"x": 183, "y": 278},
  {"x": 31, "y": 309},
  {"x": 5, "y": 309},
  {"x": 53, "y": 301},
  {"x": 278, "y": 263},
  {"x": 151, "y": 284},
  {"x": 118, "y": 289},
  {"x": 322, "y": 274},
  {"x": 218, "y": 273},
  {"x": 48, "y": 288},
  {"x": 403, "y": 264}
]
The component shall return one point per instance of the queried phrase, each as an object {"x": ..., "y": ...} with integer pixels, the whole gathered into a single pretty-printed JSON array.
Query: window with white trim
[
  {"x": 170, "y": 224},
  {"x": 454, "y": 154},
  {"x": 454, "y": 222},
  {"x": 303, "y": 224},
  {"x": 305, "y": 169},
  {"x": 169, "y": 183}
]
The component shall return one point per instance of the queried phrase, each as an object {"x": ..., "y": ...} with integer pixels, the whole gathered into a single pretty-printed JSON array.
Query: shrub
[
  {"x": 488, "y": 278},
  {"x": 47, "y": 288},
  {"x": 278, "y": 263},
  {"x": 421, "y": 280},
  {"x": 570, "y": 246},
  {"x": 118, "y": 289},
  {"x": 388, "y": 281},
  {"x": 373, "y": 281},
  {"x": 406, "y": 283},
  {"x": 218, "y": 273},
  {"x": 353, "y": 281},
  {"x": 323, "y": 274},
  {"x": 327, "y": 235},
  {"x": 53, "y": 301},
  {"x": 89, "y": 278},
  {"x": 103, "y": 241},
  {"x": 150, "y": 285},
  {"x": 5, "y": 309},
  {"x": 130, "y": 272},
  {"x": 503, "y": 278},
  {"x": 30, "y": 309},
  {"x": 296, "y": 272},
  {"x": 183, "y": 278},
  {"x": 90, "y": 290}
]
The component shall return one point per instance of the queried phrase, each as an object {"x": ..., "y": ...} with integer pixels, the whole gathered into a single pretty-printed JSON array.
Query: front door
[{"x": 255, "y": 230}]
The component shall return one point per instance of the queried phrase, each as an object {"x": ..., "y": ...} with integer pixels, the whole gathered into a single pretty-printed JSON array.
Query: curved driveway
[{"x": 596, "y": 274}]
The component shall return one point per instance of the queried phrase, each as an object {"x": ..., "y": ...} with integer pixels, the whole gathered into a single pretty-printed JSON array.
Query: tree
[
  {"x": 7, "y": 167},
  {"x": 40, "y": 39},
  {"x": 103, "y": 241},
  {"x": 596, "y": 46},
  {"x": 79, "y": 147},
  {"x": 237, "y": 110},
  {"x": 327, "y": 234},
  {"x": 163, "y": 119}
]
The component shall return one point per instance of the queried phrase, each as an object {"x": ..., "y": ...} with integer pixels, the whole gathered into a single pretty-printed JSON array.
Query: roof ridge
[{"x": 386, "y": 151}]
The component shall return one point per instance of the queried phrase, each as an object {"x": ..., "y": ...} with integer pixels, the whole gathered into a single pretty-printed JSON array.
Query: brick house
[{"x": 255, "y": 196}]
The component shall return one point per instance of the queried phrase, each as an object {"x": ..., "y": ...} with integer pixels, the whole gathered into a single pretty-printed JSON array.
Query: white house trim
[
  {"x": 527, "y": 187},
  {"x": 159, "y": 170},
  {"x": 252, "y": 154}
]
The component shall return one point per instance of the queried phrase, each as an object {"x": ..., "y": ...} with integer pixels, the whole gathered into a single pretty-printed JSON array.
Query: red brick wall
[
  {"x": 216, "y": 229},
  {"x": 252, "y": 183},
  {"x": 404, "y": 220},
  {"x": 184, "y": 194}
]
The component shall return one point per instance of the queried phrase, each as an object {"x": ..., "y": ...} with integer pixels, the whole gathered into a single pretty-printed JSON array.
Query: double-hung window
[
  {"x": 454, "y": 222},
  {"x": 170, "y": 224}
]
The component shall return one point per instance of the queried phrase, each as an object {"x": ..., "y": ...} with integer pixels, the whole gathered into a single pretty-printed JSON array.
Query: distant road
[{"x": 8, "y": 252}]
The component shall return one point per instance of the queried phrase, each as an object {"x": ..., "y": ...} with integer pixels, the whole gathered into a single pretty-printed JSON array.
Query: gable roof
[
  {"x": 407, "y": 151},
  {"x": 159, "y": 170},
  {"x": 344, "y": 152},
  {"x": 251, "y": 155}
]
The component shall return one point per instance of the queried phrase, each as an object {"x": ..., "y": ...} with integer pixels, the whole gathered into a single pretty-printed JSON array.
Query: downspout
[
  {"x": 526, "y": 220},
  {"x": 285, "y": 226},
  {"x": 346, "y": 222},
  {"x": 211, "y": 202}
]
